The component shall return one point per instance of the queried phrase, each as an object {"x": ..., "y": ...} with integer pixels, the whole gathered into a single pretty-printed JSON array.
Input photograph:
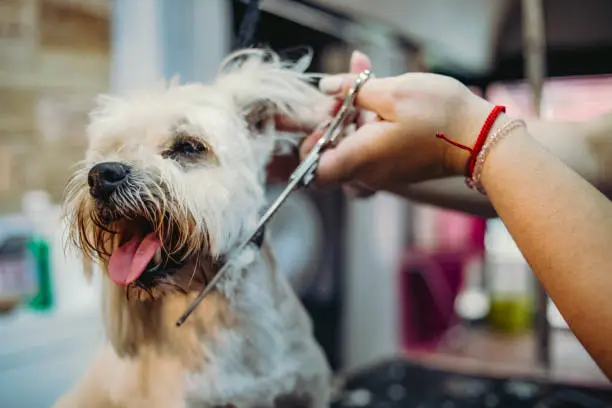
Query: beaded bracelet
[
  {"x": 480, "y": 140},
  {"x": 474, "y": 180}
]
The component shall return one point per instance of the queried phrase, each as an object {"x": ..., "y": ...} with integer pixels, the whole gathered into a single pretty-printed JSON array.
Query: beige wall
[{"x": 54, "y": 58}]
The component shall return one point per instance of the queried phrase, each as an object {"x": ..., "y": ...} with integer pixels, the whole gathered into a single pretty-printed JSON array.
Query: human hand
[
  {"x": 281, "y": 167},
  {"x": 398, "y": 144},
  {"x": 359, "y": 62}
]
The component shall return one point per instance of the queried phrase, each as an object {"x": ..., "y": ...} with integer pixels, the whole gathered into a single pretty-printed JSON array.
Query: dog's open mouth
[
  {"x": 150, "y": 257},
  {"x": 130, "y": 260},
  {"x": 140, "y": 253}
]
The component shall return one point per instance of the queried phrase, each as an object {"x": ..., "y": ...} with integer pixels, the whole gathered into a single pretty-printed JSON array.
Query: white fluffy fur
[{"x": 248, "y": 344}]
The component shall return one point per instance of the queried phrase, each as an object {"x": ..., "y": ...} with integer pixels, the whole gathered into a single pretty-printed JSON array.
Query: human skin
[{"x": 560, "y": 221}]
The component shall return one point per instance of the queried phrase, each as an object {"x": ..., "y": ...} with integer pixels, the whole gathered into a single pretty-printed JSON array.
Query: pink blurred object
[
  {"x": 431, "y": 275},
  {"x": 478, "y": 230},
  {"x": 458, "y": 232},
  {"x": 429, "y": 284}
]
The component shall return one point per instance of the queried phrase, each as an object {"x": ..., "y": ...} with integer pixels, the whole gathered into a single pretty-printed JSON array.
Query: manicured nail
[
  {"x": 358, "y": 55},
  {"x": 359, "y": 61},
  {"x": 331, "y": 84}
]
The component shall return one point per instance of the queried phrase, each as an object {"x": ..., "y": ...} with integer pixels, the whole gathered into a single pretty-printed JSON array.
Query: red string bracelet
[{"x": 480, "y": 141}]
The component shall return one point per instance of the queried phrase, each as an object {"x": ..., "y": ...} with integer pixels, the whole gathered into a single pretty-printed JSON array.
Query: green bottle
[
  {"x": 37, "y": 206},
  {"x": 39, "y": 249}
]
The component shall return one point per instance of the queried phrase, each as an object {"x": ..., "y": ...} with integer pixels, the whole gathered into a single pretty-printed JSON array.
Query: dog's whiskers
[
  {"x": 171, "y": 283},
  {"x": 148, "y": 291},
  {"x": 138, "y": 285},
  {"x": 176, "y": 173},
  {"x": 195, "y": 268}
]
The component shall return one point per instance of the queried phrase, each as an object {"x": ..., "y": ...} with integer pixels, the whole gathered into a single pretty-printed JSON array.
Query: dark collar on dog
[{"x": 258, "y": 238}]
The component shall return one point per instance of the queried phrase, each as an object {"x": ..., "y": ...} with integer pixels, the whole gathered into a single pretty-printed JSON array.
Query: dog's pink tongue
[{"x": 129, "y": 261}]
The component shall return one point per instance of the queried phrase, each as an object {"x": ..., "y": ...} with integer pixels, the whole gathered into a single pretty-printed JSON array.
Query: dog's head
[{"x": 173, "y": 179}]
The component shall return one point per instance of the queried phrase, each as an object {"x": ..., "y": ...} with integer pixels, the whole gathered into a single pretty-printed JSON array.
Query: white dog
[{"x": 172, "y": 183}]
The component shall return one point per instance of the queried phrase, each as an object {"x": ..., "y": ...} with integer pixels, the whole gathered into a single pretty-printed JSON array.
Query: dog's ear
[
  {"x": 263, "y": 85},
  {"x": 259, "y": 116}
]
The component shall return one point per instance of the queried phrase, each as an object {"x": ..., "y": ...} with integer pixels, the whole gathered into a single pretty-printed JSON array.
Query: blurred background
[{"x": 392, "y": 286}]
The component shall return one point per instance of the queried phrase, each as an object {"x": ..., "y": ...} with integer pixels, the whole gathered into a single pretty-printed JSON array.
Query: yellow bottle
[{"x": 509, "y": 280}]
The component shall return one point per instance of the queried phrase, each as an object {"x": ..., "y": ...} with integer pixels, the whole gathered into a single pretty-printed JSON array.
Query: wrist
[
  {"x": 465, "y": 125},
  {"x": 471, "y": 122},
  {"x": 507, "y": 153},
  {"x": 497, "y": 133}
]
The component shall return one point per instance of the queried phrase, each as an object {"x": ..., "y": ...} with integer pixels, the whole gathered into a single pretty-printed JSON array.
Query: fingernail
[
  {"x": 331, "y": 84},
  {"x": 360, "y": 61},
  {"x": 357, "y": 55}
]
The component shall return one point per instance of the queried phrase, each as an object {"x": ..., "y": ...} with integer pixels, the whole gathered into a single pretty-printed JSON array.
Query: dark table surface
[{"x": 399, "y": 382}]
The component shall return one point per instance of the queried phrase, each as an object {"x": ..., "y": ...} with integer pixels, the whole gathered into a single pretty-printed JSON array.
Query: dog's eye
[{"x": 187, "y": 148}]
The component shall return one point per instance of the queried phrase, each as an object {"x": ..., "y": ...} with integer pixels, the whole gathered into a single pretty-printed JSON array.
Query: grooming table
[{"x": 400, "y": 382}]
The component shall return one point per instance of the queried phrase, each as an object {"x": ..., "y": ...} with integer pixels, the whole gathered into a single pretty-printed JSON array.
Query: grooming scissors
[{"x": 302, "y": 176}]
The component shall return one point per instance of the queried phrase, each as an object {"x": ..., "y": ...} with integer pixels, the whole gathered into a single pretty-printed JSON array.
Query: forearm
[
  {"x": 563, "y": 226},
  {"x": 586, "y": 147},
  {"x": 450, "y": 193}
]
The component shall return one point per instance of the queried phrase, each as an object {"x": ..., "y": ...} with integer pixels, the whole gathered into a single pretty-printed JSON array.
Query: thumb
[
  {"x": 359, "y": 63},
  {"x": 309, "y": 143},
  {"x": 344, "y": 162}
]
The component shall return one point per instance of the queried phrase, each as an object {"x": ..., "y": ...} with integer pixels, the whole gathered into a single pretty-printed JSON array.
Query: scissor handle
[
  {"x": 347, "y": 105},
  {"x": 301, "y": 176},
  {"x": 361, "y": 79},
  {"x": 306, "y": 169}
]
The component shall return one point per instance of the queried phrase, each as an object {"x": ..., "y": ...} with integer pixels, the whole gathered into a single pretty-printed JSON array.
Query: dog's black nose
[{"x": 104, "y": 178}]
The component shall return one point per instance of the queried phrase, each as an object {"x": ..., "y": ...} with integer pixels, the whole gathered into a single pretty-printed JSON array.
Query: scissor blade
[
  {"x": 292, "y": 185},
  {"x": 302, "y": 176},
  {"x": 196, "y": 302}
]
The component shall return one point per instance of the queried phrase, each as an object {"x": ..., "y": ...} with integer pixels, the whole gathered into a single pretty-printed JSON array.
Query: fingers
[
  {"x": 345, "y": 162},
  {"x": 359, "y": 62},
  {"x": 280, "y": 167},
  {"x": 309, "y": 143},
  {"x": 286, "y": 124},
  {"x": 374, "y": 95},
  {"x": 341, "y": 163}
]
